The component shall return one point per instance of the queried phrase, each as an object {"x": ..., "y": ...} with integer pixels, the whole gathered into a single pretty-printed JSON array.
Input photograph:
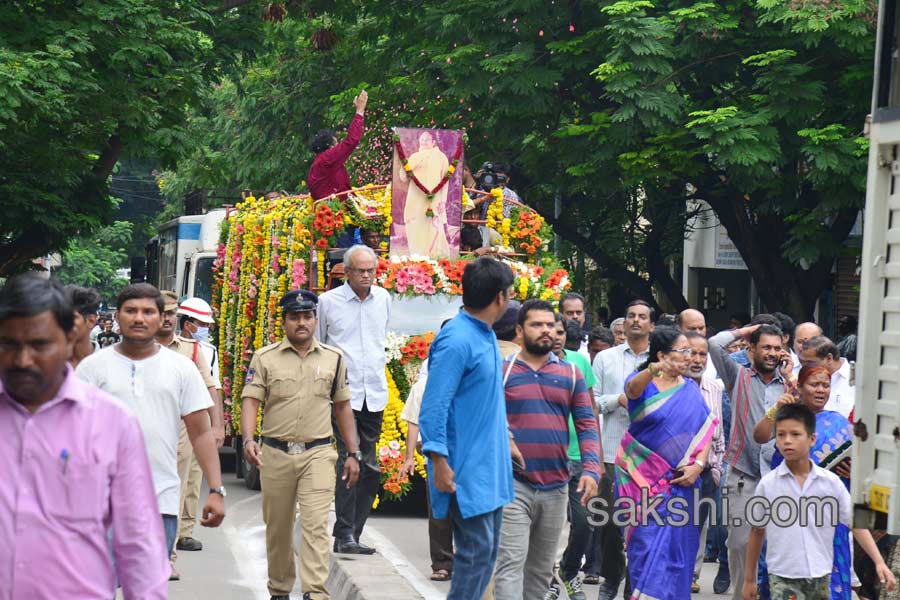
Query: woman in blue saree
[
  {"x": 834, "y": 436},
  {"x": 661, "y": 456}
]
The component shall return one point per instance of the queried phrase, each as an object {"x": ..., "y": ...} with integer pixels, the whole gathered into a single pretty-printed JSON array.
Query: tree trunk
[
  {"x": 609, "y": 266},
  {"x": 782, "y": 285}
]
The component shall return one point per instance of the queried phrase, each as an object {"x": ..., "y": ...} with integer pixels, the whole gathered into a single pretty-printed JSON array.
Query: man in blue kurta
[{"x": 464, "y": 428}]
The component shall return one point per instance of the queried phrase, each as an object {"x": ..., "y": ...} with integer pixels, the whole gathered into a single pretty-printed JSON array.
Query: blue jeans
[
  {"x": 477, "y": 541},
  {"x": 170, "y": 526},
  {"x": 579, "y": 531}
]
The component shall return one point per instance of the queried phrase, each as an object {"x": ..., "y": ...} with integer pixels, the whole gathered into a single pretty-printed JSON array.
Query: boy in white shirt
[{"x": 800, "y": 554}]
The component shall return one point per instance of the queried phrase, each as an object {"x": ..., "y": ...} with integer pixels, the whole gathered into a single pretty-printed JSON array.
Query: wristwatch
[
  {"x": 219, "y": 490},
  {"x": 357, "y": 455}
]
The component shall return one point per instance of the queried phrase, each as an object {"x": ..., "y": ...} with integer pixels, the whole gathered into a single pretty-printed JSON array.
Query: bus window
[
  {"x": 203, "y": 281},
  {"x": 185, "y": 279}
]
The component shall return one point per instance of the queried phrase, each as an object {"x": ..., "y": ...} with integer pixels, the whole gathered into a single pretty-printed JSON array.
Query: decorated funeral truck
[{"x": 267, "y": 247}]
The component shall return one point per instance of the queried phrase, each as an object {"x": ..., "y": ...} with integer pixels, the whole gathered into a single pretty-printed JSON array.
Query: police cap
[{"x": 299, "y": 301}]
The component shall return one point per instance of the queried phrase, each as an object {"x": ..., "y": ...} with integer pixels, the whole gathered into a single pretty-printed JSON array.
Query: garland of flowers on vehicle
[
  {"x": 529, "y": 232},
  {"x": 370, "y": 208},
  {"x": 423, "y": 276},
  {"x": 405, "y": 355},
  {"x": 496, "y": 220},
  {"x": 429, "y": 192},
  {"x": 263, "y": 252},
  {"x": 269, "y": 238}
]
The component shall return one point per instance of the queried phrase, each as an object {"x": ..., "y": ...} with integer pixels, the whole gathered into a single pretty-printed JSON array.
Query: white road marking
[
  {"x": 393, "y": 554},
  {"x": 247, "y": 542}
]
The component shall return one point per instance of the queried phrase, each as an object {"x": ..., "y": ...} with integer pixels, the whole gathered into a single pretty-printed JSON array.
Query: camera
[{"x": 491, "y": 175}]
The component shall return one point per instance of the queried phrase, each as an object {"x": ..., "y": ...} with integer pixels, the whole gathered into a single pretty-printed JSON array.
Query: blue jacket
[{"x": 463, "y": 417}]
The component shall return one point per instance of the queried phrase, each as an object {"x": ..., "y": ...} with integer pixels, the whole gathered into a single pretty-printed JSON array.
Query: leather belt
[{"x": 294, "y": 447}]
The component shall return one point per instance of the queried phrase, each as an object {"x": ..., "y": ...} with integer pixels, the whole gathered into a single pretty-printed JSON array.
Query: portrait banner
[{"x": 426, "y": 192}]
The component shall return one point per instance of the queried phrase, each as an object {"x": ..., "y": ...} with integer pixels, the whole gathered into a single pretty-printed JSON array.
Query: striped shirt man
[
  {"x": 750, "y": 398},
  {"x": 538, "y": 404}
]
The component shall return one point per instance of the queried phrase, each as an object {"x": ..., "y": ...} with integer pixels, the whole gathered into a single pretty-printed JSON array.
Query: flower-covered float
[{"x": 268, "y": 247}]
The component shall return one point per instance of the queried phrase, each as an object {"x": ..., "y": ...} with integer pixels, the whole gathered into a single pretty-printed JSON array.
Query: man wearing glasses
[{"x": 354, "y": 317}]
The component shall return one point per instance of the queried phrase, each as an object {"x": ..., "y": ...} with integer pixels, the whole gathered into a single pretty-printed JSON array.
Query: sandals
[{"x": 440, "y": 575}]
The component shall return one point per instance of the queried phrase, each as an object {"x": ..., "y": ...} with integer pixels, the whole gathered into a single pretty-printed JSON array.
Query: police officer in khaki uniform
[
  {"x": 297, "y": 381},
  {"x": 186, "y": 461}
]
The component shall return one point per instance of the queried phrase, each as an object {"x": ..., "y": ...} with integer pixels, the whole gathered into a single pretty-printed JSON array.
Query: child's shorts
[{"x": 782, "y": 588}]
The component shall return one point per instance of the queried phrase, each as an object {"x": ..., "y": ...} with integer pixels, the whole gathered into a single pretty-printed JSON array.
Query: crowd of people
[
  {"x": 535, "y": 421},
  {"x": 647, "y": 409}
]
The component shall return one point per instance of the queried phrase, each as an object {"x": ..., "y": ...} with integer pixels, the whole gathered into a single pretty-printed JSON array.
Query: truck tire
[
  {"x": 251, "y": 477},
  {"x": 239, "y": 461}
]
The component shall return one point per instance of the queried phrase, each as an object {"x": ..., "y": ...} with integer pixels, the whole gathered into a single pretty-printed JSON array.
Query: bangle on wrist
[
  {"x": 653, "y": 372},
  {"x": 770, "y": 414}
]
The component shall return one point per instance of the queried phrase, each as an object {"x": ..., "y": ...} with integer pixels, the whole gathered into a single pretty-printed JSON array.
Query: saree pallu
[
  {"x": 668, "y": 431},
  {"x": 834, "y": 438}
]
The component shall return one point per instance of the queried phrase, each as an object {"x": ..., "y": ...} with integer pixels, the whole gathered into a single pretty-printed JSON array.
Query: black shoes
[
  {"x": 363, "y": 549},
  {"x": 285, "y": 597},
  {"x": 722, "y": 580},
  {"x": 347, "y": 545},
  {"x": 189, "y": 544}
]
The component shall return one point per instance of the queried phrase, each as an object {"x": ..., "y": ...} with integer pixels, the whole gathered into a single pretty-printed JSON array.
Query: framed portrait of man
[{"x": 426, "y": 192}]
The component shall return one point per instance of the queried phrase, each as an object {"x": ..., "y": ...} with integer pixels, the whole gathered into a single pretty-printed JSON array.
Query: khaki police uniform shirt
[
  {"x": 296, "y": 391},
  {"x": 186, "y": 347}
]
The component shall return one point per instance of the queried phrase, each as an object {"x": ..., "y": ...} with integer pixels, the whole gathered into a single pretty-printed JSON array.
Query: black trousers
[
  {"x": 440, "y": 538},
  {"x": 352, "y": 507},
  {"x": 610, "y": 544}
]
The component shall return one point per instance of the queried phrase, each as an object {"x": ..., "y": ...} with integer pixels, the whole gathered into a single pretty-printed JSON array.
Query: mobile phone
[
  {"x": 678, "y": 473},
  {"x": 518, "y": 467}
]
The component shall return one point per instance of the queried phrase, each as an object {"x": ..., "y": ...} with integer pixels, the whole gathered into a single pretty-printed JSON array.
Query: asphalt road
[{"x": 232, "y": 564}]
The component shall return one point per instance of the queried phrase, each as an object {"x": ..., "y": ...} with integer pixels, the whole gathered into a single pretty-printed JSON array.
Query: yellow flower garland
[
  {"x": 386, "y": 208},
  {"x": 496, "y": 220},
  {"x": 395, "y": 428}
]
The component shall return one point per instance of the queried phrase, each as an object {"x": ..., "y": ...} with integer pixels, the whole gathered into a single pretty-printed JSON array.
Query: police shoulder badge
[{"x": 249, "y": 378}]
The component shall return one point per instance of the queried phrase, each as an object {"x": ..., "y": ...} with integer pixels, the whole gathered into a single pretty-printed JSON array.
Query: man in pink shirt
[
  {"x": 75, "y": 466},
  {"x": 328, "y": 174}
]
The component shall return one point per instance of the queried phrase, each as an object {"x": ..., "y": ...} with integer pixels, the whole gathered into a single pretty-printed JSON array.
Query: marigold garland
[{"x": 496, "y": 220}]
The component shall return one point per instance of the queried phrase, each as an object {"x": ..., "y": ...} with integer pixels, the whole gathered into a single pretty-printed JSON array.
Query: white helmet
[{"x": 196, "y": 308}]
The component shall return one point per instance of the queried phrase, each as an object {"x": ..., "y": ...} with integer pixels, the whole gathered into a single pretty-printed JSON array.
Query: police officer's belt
[{"x": 294, "y": 447}]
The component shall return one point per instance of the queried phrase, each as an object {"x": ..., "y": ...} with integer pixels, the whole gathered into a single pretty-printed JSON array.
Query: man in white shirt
[
  {"x": 611, "y": 367},
  {"x": 692, "y": 319},
  {"x": 822, "y": 351},
  {"x": 162, "y": 388},
  {"x": 802, "y": 334},
  {"x": 354, "y": 317}
]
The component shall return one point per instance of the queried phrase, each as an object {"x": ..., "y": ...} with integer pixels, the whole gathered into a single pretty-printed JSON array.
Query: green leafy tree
[
  {"x": 757, "y": 107},
  {"x": 82, "y": 84},
  {"x": 618, "y": 113},
  {"x": 94, "y": 261}
]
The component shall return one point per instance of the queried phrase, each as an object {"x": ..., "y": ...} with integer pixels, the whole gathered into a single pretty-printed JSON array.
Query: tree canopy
[
  {"x": 82, "y": 84},
  {"x": 619, "y": 112}
]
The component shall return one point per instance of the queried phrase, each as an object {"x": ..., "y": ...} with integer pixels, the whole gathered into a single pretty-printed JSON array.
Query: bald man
[
  {"x": 803, "y": 333},
  {"x": 693, "y": 320}
]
